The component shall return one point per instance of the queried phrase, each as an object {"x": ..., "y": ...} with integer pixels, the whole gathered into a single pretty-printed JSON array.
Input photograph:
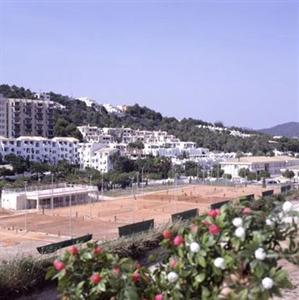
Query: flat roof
[
  {"x": 59, "y": 192},
  {"x": 258, "y": 159}
]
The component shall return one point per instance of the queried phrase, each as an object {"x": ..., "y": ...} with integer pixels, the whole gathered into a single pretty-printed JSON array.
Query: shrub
[
  {"x": 21, "y": 274},
  {"x": 229, "y": 255}
]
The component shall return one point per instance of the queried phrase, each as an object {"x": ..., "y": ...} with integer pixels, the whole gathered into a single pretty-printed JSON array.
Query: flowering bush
[
  {"x": 231, "y": 253},
  {"x": 91, "y": 273}
]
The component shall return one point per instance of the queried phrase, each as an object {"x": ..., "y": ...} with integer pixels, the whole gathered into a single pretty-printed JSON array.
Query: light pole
[
  {"x": 142, "y": 186},
  {"x": 133, "y": 210},
  {"x": 25, "y": 186},
  {"x": 70, "y": 204},
  {"x": 102, "y": 186},
  {"x": 90, "y": 197},
  {"x": 38, "y": 187},
  {"x": 52, "y": 198}
]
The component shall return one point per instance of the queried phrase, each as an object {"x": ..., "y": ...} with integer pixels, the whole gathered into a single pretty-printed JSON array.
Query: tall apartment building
[
  {"x": 26, "y": 117},
  {"x": 3, "y": 116}
]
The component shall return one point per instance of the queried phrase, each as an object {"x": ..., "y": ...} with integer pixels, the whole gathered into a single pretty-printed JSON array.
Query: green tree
[
  {"x": 227, "y": 176},
  {"x": 288, "y": 174},
  {"x": 19, "y": 164},
  {"x": 136, "y": 145},
  {"x": 243, "y": 172},
  {"x": 216, "y": 171},
  {"x": 191, "y": 168}
]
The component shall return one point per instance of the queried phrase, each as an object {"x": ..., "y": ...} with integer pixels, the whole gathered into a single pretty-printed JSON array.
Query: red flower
[
  {"x": 214, "y": 229},
  {"x": 172, "y": 262},
  {"x": 178, "y": 240},
  {"x": 136, "y": 277},
  {"x": 97, "y": 250},
  {"x": 73, "y": 250},
  {"x": 159, "y": 297},
  {"x": 167, "y": 234},
  {"x": 214, "y": 213},
  {"x": 58, "y": 265},
  {"x": 246, "y": 211},
  {"x": 95, "y": 278}
]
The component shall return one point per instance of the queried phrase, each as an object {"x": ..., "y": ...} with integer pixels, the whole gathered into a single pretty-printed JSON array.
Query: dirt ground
[{"x": 102, "y": 219}]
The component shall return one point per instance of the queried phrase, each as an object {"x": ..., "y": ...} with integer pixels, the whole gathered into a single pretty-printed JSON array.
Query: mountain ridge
[{"x": 288, "y": 129}]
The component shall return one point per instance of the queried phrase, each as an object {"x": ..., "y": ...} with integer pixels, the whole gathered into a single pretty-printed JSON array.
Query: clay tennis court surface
[{"x": 102, "y": 219}]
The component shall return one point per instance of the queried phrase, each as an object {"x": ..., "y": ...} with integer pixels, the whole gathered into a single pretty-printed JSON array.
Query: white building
[
  {"x": 118, "y": 110},
  {"x": 48, "y": 198},
  {"x": 41, "y": 149},
  {"x": 96, "y": 156},
  {"x": 88, "y": 101},
  {"x": 256, "y": 164},
  {"x": 230, "y": 131}
]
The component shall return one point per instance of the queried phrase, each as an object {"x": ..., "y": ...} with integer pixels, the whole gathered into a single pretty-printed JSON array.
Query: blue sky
[{"x": 230, "y": 61}]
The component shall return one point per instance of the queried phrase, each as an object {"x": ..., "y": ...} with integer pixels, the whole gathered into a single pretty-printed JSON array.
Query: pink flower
[
  {"x": 73, "y": 250},
  {"x": 172, "y": 263},
  {"x": 246, "y": 211},
  {"x": 136, "y": 277},
  {"x": 97, "y": 250},
  {"x": 95, "y": 278},
  {"x": 167, "y": 234},
  {"x": 159, "y": 297},
  {"x": 116, "y": 271},
  {"x": 178, "y": 240},
  {"x": 214, "y": 213},
  {"x": 214, "y": 229},
  {"x": 58, "y": 265}
]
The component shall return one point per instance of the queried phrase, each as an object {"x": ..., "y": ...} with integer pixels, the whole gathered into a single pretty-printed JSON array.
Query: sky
[{"x": 230, "y": 61}]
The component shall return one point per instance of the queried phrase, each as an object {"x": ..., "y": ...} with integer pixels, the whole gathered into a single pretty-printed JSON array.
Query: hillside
[
  {"x": 77, "y": 113},
  {"x": 290, "y": 129}
]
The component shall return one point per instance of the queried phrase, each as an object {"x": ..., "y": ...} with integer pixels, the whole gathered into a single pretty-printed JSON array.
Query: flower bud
[
  {"x": 172, "y": 277},
  {"x": 267, "y": 283},
  {"x": 237, "y": 222},
  {"x": 260, "y": 254},
  {"x": 240, "y": 233},
  {"x": 219, "y": 263},
  {"x": 194, "y": 247}
]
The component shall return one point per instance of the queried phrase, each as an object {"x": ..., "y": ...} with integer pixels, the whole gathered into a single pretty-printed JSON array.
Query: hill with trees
[
  {"x": 77, "y": 113},
  {"x": 290, "y": 129}
]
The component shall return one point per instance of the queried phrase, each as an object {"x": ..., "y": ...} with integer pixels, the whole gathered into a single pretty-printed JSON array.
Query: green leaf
[
  {"x": 202, "y": 262},
  {"x": 200, "y": 277},
  {"x": 243, "y": 295}
]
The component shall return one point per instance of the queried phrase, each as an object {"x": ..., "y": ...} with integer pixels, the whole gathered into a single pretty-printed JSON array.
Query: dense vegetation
[
  {"x": 77, "y": 113},
  {"x": 125, "y": 172}
]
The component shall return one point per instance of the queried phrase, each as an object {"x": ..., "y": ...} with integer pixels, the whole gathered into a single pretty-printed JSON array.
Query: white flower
[
  {"x": 260, "y": 254},
  {"x": 194, "y": 247},
  {"x": 269, "y": 222},
  {"x": 172, "y": 277},
  {"x": 219, "y": 263},
  {"x": 240, "y": 233},
  {"x": 287, "y": 206},
  {"x": 267, "y": 283},
  {"x": 237, "y": 222}
]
